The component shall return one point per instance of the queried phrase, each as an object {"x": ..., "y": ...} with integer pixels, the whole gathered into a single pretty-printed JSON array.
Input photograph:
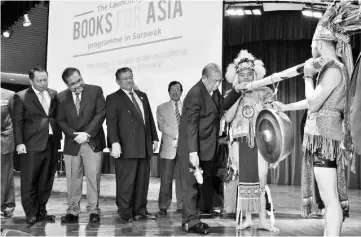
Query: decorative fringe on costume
[
  {"x": 252, "y": 134},
  {"x": 330, "y": 148},
  {"x": 307, "y": 204},
  {"x": 228, "y": 169},
  {"x": 250, "y": 137},
  {"x": 270, "y": 213},
  {"x": 249, "y": 197},
  {"x": 307, "y": 180},
  {"x": 345, "y": 209}
]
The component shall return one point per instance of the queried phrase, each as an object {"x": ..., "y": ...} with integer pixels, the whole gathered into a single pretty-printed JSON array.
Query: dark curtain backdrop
[{"x": 281, "y": 40}]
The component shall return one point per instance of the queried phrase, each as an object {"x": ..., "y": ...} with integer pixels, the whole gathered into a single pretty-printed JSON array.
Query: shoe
[
  {"x": 200, "y": 228},
  {"x": 320, "y": 212},
  {"x": 94, "y": 218},
  {"x": 46, "y": 217},
  {"x": 69, "y": 218},
  {"x": 216, "y": 212},
  {"x": 206, "y": 214},
  {"x": 179, "y": 211},
  {"x": 31, "y": 220},
  {"x": 8, "y": 214},
  {"x": 163, "y": 212},
  {"x": 145, "y": 216},
  {"x": 127, "y": 220}
]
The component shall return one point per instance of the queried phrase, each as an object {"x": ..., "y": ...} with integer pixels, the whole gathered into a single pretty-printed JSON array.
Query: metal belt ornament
[{"x": 248, "y": 111}]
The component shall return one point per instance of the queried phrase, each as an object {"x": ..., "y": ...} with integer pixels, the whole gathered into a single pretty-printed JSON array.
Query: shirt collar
[
  {"x": 206, "y": 86},
  {"x": 74, "y": 94},
  {"x": 127, "y": 92},
  {"x": 174, "y": 101},
  {"x": 36, "y": 91}
]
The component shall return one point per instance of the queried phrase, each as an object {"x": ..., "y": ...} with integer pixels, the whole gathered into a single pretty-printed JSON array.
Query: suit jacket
[
  {"x": 31, "y": 123},
  {"x": 200, "y": 121},
  {"x": 90, "y": 119},
  {"x": 167, "y": 124},
  {"x": 125, "y": 125},
  {"x": 7, "y": 135}
]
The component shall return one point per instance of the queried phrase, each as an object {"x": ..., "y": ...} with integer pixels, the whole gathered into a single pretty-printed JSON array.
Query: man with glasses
[
  {"x": 198, "y": 133},
  {"x": 168, "y": 117},
  {"x": 133, "y": 139},
  {"x": 37, "y": 140},
  {"x": 81, "y": 113}
]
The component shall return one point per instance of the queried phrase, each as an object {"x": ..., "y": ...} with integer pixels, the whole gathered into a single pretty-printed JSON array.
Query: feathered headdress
[
  {"x": 337, "y": 24},
  {"x": 243, "y": 61}
]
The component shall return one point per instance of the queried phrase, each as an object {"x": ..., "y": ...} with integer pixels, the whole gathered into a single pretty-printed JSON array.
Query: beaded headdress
[{"x": 245, "y": 60}]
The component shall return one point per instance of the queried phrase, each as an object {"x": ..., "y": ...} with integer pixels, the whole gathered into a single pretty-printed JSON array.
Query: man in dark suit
[
  {"x": 37, "y": 139},
  {"x": 7, "y": 149},
  {"x": 133, "y": 138},
  {"x": 81, "y": 113},
  {"x": 198, "y": 134}
]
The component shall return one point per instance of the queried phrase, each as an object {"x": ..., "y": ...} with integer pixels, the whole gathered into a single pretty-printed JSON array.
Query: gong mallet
[{"x": 197, "y": 174}]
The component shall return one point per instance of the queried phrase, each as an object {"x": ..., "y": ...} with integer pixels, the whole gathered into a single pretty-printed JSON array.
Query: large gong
[{"x": 274, "y": 135}]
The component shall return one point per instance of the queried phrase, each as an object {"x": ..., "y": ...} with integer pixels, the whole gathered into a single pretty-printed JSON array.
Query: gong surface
[{"x": 274, "y": 135}]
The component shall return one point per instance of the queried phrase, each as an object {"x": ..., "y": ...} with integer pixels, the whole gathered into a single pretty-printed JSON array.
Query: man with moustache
[
  {"x": 168, "y": 117},
  {"x": 133, "y": 138},
  {"x": 81, "y": 113},
  {"x": 37, "y": 139},
  {"x": 7, "y": 148},
  {"x": 198, "y": 134}
]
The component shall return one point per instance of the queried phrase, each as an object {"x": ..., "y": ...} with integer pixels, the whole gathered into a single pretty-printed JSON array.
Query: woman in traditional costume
[
  {"x": 253, "y": 168},
  {"x": 327, "y": 145}
]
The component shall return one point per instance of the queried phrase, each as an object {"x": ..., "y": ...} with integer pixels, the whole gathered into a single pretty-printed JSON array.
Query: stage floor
[{"x": 286, "y": 198}]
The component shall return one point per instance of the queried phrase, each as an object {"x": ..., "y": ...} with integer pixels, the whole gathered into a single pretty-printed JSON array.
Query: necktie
[
  {"x": 177, "y": 114},
  {"x": 214, "y": 97},
  {"x": 44, "y": 103},
  {"x": 77, "y": 103},
  {"x": 136, "y": 104}
]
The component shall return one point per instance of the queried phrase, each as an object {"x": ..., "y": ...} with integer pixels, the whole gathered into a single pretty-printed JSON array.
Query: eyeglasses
[
  {"x": 73, "y": 84},
  {"x": 219, "y": 81}
]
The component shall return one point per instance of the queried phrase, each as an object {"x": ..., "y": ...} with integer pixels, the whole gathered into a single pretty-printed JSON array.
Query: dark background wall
[{"x": 281, "y": 40}]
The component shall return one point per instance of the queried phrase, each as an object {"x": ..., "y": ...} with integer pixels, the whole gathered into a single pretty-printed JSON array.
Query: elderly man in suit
[
  {"x": 81, "y": 113},
  {"x": 168, "y": 117},
  {"x": 7, "y": 148},
  {"x": 37, "y": 139},
  {"x": 133, "y": 138},
  {"x": 203, "y": 107}
]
